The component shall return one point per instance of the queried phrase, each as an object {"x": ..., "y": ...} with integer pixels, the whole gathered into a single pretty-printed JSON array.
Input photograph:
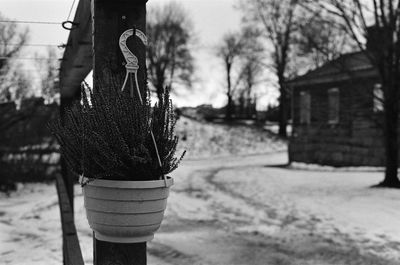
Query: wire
[
  {"x": 27, "y": 58},
  {"x": 32, "y": 44},
  {"x": 40, "y": 22},
  {"x": 70, "y": 10},
  {"x": 30, "y": 22}
]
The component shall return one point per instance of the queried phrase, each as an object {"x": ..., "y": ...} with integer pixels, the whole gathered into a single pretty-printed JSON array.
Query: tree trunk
[
  {"x": 282, "y": 109},
  {"x": 228, "y": 114},
  {"x": 160, "y": 83},
  {"x": 3, "y": 63},
  {"x": 391, "y": 139},
  {"x": 249, "y": 107},
  {"x": 160, "y": 91}
]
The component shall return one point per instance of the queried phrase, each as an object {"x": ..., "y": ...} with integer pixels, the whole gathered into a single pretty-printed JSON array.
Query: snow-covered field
[
  {"x": 225, "y": 209},
  {"x": 202, "y": 139}
]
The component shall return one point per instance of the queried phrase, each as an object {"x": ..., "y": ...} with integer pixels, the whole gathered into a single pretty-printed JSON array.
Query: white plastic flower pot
[{"x": 126, "y": 211}]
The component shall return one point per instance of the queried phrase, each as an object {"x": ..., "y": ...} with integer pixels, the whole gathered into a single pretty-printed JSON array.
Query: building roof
[{"x": 349, "y": 65}]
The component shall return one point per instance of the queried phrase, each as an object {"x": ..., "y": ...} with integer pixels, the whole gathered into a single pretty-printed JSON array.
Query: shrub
[{"x": 107, "y": 135}]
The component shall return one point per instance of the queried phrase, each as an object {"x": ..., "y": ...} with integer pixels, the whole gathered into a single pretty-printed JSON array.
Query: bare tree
[
  {"x": 48, "y": 71},
  {"x": 12, "y": 40},
  {"x": 252, "y": 70},
  {"x": 322, "y": 38},
  {"x": 230, "y": 51},
  {"x": 169, "y": 58},
  {"x": 14, "y": 84},
  {"x": 277, "y": 20},
  {"x": 252, "y": 66}
]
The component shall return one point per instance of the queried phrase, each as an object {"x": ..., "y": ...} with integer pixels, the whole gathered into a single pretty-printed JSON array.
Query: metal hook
[
  {"x": 69, "y": 25},
  {"x": 131, "y": 60}
]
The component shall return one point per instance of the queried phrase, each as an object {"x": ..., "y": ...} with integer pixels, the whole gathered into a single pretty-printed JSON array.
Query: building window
[
  {"x": 333, "y": 105},
  {"x": 378, "y": 98},
  {"x": 305, "y": 107}
]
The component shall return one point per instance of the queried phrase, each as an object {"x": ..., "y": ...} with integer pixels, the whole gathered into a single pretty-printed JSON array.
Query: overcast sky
[{"x": 211, "y": 19}]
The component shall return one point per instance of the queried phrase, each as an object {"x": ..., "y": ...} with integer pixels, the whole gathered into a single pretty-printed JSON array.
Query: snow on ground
[
  {"x": 201, "y": 139},
  {"x": 337, "y": 207},
  {"x": 242, "y": 209},
  {"x": 30, "y": 228},
  {"x": 316, "y": 167}
]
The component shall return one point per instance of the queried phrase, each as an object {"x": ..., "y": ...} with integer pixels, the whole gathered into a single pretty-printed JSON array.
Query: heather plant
[{"x": 107, "y": 135}]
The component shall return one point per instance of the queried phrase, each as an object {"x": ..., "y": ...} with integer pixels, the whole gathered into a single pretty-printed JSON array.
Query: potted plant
[{"x": 122, "y": 149}]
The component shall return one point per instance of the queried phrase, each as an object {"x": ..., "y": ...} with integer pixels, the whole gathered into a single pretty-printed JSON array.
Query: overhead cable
[{"x": 30, "y": 22}]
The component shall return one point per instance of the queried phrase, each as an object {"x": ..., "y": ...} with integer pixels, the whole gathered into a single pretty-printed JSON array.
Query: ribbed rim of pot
[{"x": 128, "y": 184}]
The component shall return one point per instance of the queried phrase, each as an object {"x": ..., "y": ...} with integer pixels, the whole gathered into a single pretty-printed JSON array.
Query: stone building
[{"x": 337, "y": 114}]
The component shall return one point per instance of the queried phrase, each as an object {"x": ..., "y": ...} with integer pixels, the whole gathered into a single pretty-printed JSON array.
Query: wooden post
[
  {"x": 110, "y": 19},
  {"x": 71, "y": 251},
  {"x": 68, "y": 178},
  {"x": 65, "y": 103}
]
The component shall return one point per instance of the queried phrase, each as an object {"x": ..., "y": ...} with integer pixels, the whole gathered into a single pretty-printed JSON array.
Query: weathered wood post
[
  {"x": 65, "y": 103},
  {"x": 75, "y": 65},
  {"x": 110, "y": 19}
]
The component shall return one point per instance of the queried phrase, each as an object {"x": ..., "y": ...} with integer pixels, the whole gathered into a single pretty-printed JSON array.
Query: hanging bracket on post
[
  {"x": 132, "y": 67},
  {"x": 132, "y": 64}
]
